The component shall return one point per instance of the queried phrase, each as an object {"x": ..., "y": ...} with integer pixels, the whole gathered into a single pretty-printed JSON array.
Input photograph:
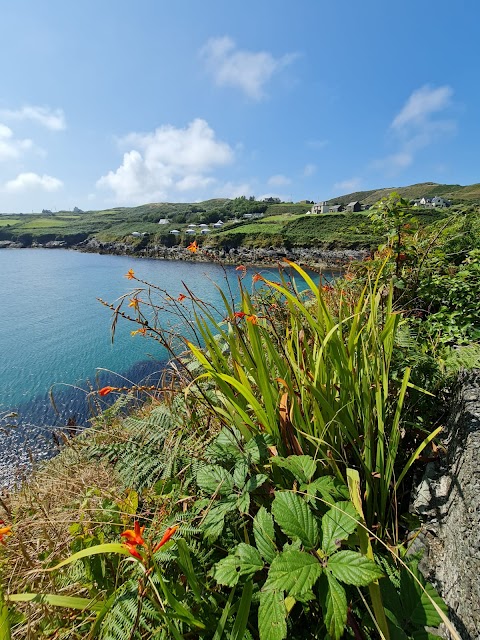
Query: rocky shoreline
[{"x": 312, "y": 256}]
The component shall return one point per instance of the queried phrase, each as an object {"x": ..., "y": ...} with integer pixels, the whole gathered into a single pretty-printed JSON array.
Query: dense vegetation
[
  {"x": 280, "y": 224},
  {"x": 263, "y": 491}
]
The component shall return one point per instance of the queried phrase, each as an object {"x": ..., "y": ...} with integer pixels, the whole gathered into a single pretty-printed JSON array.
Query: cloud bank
[
  {"x": 32, "y": 181},
  {"x": 167, "y": 163}
]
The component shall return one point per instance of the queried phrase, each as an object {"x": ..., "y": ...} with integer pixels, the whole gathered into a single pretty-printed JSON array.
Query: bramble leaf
[
  {"x": 244, "y": 562},
  {"x": 353, "y": 568},
  {"x": 272, "y": 616},
  {"x": 334, "y": 605},
  {"x": 214, "y": 479},
  {"x": 214, "y": 520},
  {"x": 264, "y": 533},
  {"x": 301, "y": 467},
  {"x": 294, "y": 518},
  {"x": 294, "y": 572},
  {"x": 337, "y": 524},
  {"x": 256, "y": 481}
]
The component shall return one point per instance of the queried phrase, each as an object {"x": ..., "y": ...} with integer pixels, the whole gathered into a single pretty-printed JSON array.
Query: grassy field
[{"x": 281, "y": 224}]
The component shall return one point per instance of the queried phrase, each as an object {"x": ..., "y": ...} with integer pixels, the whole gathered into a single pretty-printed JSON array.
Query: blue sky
[{"x": 120, "y": 103}]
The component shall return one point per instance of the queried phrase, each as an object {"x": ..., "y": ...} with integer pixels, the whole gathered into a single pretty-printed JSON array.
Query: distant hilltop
[{"x": 455, "y": 192}]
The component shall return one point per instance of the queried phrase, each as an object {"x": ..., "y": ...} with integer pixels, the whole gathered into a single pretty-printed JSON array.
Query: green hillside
[{"x": 455, "y": 192}]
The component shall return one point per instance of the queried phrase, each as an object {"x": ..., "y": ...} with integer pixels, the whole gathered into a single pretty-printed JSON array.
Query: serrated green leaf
[
  {"x": 226, "y": 571},
  {"x": 272, "y": 616},
  {"x": 214, "y": 520},
  {"x": 337, "y": 524},
  {"x": 256, "y": 481},
  {"x": 264, "y": 534},
  {"x": 334, "y": 605},
  {"x": 244, "y": 562},
  {"x": 257, "y": 448},
  {"x": 294, "y": 518},
  {"x": 323, "y": 486},
  {"x": 353, "y": 568},
  {"x": 243, "y": 502},
  {"x": 226, "y": 446},
  {"x": 240, "y": 473},
  {"x": 301, "y": 467},
  {"x": 294, "y": 572},
  {"x": 214, "y": 479}
]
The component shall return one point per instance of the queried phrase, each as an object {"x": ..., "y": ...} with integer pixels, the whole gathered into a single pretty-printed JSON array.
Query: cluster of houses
[
  {"x": 431, "y": 203},
  {"x": 324, "y": 207},
  {"x": 194, "y": 229}
]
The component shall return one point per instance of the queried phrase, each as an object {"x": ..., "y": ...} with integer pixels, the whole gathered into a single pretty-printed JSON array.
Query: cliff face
[{"x": 448, "y": 501}]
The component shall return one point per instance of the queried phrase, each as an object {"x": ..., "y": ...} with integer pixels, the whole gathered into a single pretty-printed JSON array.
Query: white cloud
[
  {"x": 309, "y": 170},
  {"x": 421, "y": 105},
  {"x": 12, "y": 148},
  {"x": 166, "y": 162},
  {"x": 278, "y": 180},
  {"x": 31, "y": 181},
  {"x": 417, "y": 126},
  {"x": 53, "y": 119},
  {"x": 348, "y": 186},
  {"x": 245, "y": 70}
]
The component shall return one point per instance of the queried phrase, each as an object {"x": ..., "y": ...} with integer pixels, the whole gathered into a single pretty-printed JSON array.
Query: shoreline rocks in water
[{"x": 314, "y": 256}]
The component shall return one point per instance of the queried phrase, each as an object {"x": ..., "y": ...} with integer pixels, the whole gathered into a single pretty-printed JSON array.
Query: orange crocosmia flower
[
  {"x": 253, "y": 319},
  {"x": 133, "y": 550},
  {"x": 130, "y": 274},
  {"x": 134, "y": 303},
  {"x": 166, "y": 537},
  {"x": 239, "y": 314},
  {"x": 106, "y": 390},
  {"x": 241, "y": 267},
  {"x": 193, "y": 247},
  {"x": 181, "y": 297},
  {"x": 256, "y": 277},
  {"x": 4, "y": 531},
  {"x": 134, "y": 536},
  {"x": 142, "y": 332}
]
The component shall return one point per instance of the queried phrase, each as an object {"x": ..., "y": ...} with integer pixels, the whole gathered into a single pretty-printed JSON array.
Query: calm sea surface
[{"x": 54, "y": 334}]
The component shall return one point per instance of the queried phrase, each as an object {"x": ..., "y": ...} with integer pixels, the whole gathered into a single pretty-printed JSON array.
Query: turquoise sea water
[{"x": 54, "y": 333}]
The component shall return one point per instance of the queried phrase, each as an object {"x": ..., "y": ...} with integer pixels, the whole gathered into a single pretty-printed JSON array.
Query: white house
[
  {"x": 190, "y": 231},
  {"x": 218, "y": 224},
  {"x": 163, "y": 221},
  {"x": 205, "y": 230},
  {"x": 175, "y": 232}
]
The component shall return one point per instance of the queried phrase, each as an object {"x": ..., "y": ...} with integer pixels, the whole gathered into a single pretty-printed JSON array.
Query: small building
[
  {"x": 218, "y": 224},
  {"x": 190, "y": 231},
  {"x": 137, "y": 234},
  {"x": 205, "y": 231},
  {"x": 203, "y": 225},
  {"x": 354, "y": 206},
  {"x": 163, "y": 221},
  {"x": 440, "y": 202},
  {"x": 336, "y": 208},
  {"x": 175, "y": 232}
]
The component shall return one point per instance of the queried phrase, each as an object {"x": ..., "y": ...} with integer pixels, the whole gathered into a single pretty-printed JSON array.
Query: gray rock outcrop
[{"x": 448, "y": 502}]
